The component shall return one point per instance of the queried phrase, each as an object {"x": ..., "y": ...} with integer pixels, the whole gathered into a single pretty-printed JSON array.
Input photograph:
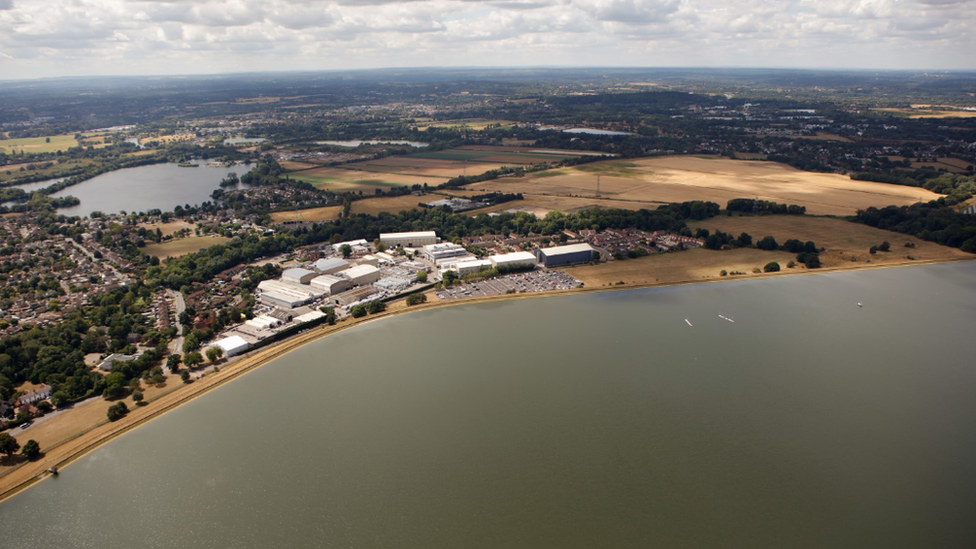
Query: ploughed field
[{"x": 646, "y": 183}]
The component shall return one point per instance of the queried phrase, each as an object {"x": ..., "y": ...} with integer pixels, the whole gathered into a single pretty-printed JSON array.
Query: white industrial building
[
  {"x": 361, "y": 274},
  {"x": 308, "y": 317},
  {"x": 369, "y": 259},
  {"x": 513, "y": 260},
  {"x": 330, "y": 265},
  {"x": 472, "y": 266},
  {"x": 331, "y": 284},
  {"x": 439, "y": 253},
  {"x": 233, "y": 345},
  {"x": 287, "y": 294},
  {"x": 392, "y": 283},
  {"x": 408, "y": 240},
  {"x": 298, "y": 275},
  {"x": 263, "y": 322},
  {"x": 566, "y": 255}
]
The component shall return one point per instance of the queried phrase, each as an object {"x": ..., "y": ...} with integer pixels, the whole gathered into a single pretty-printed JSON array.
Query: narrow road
[{"x": 179, "y": 305}]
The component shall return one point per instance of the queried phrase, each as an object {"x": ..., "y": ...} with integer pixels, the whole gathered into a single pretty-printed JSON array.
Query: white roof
[
  {"x": 358, "y": 270},
  {"x": 326, "y": 280},
  {"x": 513, "y": 257},
  {"x": 417, "y": 234},
  {"x": 473, "y": 263},
  {"x": 568, "y": 249},
  {"x": 330, "y": 263},
  {"x": 232, "y": 343},
  {"x": 297, "y": 272},
  {"x": 308, "y": 317}
]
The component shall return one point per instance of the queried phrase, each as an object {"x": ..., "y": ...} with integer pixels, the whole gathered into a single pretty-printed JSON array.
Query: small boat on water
[
  {"x": 723, "y": 317},
  {"x": 859, "y": 304},
  {"x": 689, "y": 322}
]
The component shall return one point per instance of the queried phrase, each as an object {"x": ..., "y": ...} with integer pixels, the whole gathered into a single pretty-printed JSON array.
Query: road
[{"x": 179, "y": 305}]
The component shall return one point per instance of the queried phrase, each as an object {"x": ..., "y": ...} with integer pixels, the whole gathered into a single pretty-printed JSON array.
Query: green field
[{"x": 49, "y": 144}]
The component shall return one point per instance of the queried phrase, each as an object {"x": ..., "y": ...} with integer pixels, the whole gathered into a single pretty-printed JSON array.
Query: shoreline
[{"x": 65, "y": 453}]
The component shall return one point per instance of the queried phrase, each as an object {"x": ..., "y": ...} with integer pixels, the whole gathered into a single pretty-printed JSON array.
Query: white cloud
[{"x": 51, "y": 37}]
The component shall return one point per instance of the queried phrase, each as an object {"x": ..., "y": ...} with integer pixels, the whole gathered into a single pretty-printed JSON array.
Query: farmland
[
  {"x": 644, "y": 183},
  {"x": 432, "y": 168},
  {"x": 30, "y": 145}
]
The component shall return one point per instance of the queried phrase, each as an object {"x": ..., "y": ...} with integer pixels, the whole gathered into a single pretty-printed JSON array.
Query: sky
[{"x": 41, "y": 38}]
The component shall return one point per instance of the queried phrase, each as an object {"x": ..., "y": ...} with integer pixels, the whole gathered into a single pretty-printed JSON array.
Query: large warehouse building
[
  {"x": 408, "y": 240},
  {"x": 298, "y": 275},
  {"x": 287, "y": 294},
  {"x": 331, "y": 284},
  {"x": 565, "y": 255},
  {"x": 514, "y": 260},
  {"x": 330, "y": 265},
  {"x": 361, "y": 274},
  {"x": 233, "y": 345}
]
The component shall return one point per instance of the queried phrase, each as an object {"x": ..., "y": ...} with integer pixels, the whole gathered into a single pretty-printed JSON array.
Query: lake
[
  {"x": 591, "y": 131},
  {"x": 353, "y": 143},
  {"x": 593, "y": 420},
  {"x": 141, "y": 189}
]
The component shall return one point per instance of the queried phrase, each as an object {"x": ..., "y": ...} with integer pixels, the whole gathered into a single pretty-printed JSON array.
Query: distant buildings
[
  {"x": 298, "y": 275},
  {"x": 514, "y": 260},
  {"x": 233, "y": 345},
  {"x": 330, "y": 265}
]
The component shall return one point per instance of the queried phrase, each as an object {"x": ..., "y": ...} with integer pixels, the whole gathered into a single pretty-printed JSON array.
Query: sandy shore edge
[{"x": 67, "y": 452}]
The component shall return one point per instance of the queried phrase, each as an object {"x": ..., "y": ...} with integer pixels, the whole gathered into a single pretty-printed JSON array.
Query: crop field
[
  {"x": 48, "y": 144},
  {"x": 954, "y": 165},
  {"x": 183, "y": 246},
  {"x": 12, "y": 171},
  {"x": 342, "y": 180},
  {"x": 647, "y": 182},
  {"x": 326, "y": 213},
  {"x": 371, "y": 206},
  {"x": 931, "y": 113},
  {"x": 472, "y": 123},
  {"x": 432, "y": 168}
]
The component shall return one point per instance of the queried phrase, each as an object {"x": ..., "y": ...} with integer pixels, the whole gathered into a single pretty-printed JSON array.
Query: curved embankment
[{"x": 72, "y": 449}]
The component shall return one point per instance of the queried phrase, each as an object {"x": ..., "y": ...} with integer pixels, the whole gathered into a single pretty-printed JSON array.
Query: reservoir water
[
  {"x": 595, "y": 420},
  {"x": 140, "y": 189}
]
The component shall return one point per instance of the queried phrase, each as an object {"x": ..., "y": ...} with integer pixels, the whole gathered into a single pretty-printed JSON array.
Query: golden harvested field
[
  {"x": 692, "y": 265},
  {"x": 646, "y": 182},
  {"x": 183, "y": 246},
  {"x": 847, "y": 243},
  {"x": 293, "y": 166},
  {"x": 824, "y": 136},
  {"x": 327, "y": 213},
  {"x": 426, "y": 167},
  {"x": 930, "y": 113}
]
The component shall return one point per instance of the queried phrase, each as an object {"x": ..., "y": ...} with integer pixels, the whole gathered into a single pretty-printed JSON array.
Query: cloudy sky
[{"x": 82, "y": 37}]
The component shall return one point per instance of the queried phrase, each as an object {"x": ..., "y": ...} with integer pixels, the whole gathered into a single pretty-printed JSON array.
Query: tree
[
  {"x": 376, "y": 306},
  {"x": 358, "y": 311},
  {"x": 214, "y": 354},
  {"x": 8, "y": 444},
  {"x": 450, "y": 277},
  {"x": 185, "y": 376},
  {"x": 117, "y": 411},
  {"x": 767, "y": 243},
  {"x": 745, "y": 239},
  {"x": 416, "y": 299},
  {"x": 192, "y": 359},
  {"x": 422, "y": 276},
  {"x": 771, "y": 267},
  {"x": 885, "y": 246},
  {"x": 346, "y": 250},
  {"x": 137, "y": 397},
  {"x": 173, "y": 362},
  {"x": 31, "y": 449},
  {"x": 191, "y": 343}
]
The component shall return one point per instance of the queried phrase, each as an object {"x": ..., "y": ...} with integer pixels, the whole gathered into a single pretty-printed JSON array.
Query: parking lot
[{"x": 535, "y": 281}]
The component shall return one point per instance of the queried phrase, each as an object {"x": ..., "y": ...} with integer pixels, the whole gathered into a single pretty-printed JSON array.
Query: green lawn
[{"x": 49, "y": 144}]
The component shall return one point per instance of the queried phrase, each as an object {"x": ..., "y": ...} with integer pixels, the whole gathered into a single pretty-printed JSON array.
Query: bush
[
  {"x": 374, "y": 307},
  {"x": 416, "y": 299},
  {"x": 117, "y": 411},
  {"x": 31, "y": 449},
  {"x": 771, "y": 267},
  {"x": 723, "y": 272},
  {"x": 358, "y": 311}
]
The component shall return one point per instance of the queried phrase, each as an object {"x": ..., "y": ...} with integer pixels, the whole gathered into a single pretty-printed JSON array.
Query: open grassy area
[
  {"x": 183, "y": 246},
  {"x": 930, "y": 113},
  {"x": 472, "y": 123},
  {"x": 169, "y": 228},
  {"x": 12, "y": 171},
  {"x": 847, "y": 243},
  {"x": 646, "y": 182},
  {"x": 47, "y": 144},
  {"x": 344, "y": 180},
  {"x": 692, "y": 265}
]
